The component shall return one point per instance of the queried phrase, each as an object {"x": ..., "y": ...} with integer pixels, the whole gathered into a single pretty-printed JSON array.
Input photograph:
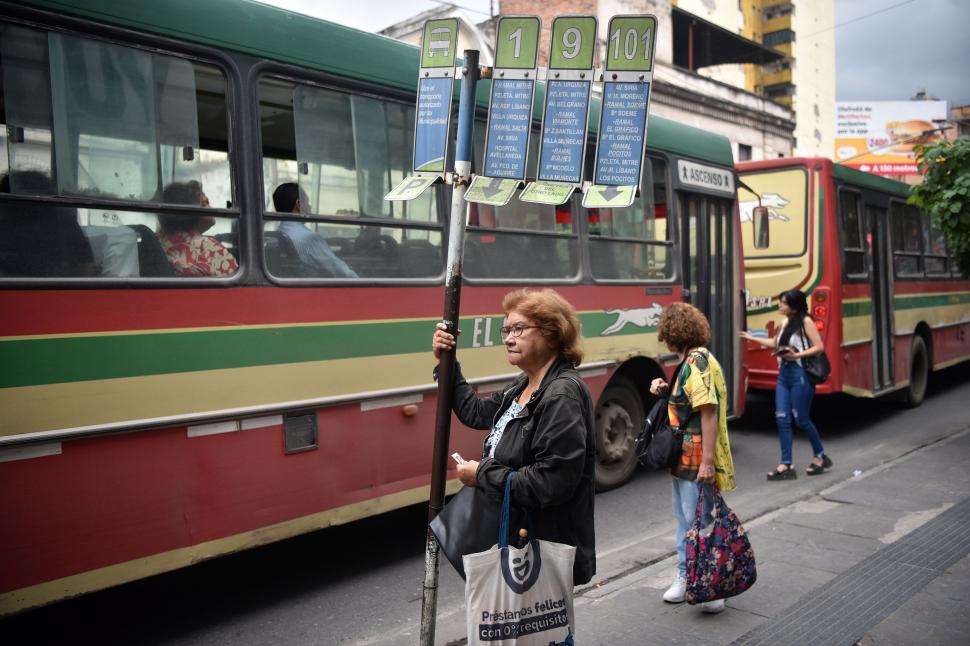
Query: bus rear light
[
  {"x": 820, "y": 311},
  {"x": 820, "y": 325},
  {"x": 409, "y": 410},
  {"x": 820, "y": 296}
]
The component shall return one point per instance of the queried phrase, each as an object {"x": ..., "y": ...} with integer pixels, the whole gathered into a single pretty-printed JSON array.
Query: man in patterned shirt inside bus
[{"x": 312, "y": 249}]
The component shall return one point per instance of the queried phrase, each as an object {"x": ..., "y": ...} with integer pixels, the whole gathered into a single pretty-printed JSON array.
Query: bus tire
[
  {"x": 617, "y": 421},
  {"x": 919, "y": 373}
]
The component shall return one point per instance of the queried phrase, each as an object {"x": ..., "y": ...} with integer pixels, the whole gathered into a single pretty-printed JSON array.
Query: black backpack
[{"x": 658, "y": 446}]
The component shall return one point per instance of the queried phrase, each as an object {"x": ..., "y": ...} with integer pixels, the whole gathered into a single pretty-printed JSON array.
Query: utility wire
[
  {"x": 458, "y": 6},
  {"x": 858, "y": 18}
]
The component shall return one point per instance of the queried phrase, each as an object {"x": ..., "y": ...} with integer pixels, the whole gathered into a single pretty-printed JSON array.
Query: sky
[{"x": 885, "y": 49}]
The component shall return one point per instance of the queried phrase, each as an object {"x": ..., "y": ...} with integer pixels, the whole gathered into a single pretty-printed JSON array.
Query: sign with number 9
[{"x": 573, "y": 43}]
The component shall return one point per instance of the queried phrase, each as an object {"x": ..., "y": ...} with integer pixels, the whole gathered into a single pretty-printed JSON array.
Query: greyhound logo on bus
[
  {"x": 773, "y": 201},
  {"x": 640, "y": 317}
]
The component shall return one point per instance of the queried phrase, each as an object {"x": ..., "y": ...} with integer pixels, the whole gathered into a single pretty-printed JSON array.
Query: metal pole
[{"x": 446, "y": 369}]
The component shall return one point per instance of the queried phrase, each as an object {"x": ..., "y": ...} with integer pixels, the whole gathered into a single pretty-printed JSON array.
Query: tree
[{"x": 945, "y": 193}]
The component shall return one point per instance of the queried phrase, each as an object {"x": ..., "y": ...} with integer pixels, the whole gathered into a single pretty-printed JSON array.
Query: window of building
[
  {"x": 744, "y": 152},
  {"x": 779, "y": 37},
  {"x": 776, "y": 90},
  {"x": 329, "y": 157},
  {"x": 92, "y": 120},
  {"x": 778, "y": 10}
]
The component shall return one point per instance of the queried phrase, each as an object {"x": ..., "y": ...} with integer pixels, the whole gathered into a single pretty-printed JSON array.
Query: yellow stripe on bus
[
  {"x": 105, "y": 577},
  {"x": 32, "y": 409}
]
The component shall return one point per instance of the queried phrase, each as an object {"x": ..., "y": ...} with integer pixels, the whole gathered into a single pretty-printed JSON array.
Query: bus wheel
[
  {"x": 919, "y": 373},
  {"x": 618, "y": 418}
]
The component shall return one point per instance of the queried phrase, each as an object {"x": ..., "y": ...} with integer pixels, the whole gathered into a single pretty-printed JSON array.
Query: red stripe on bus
[{"x": 80, "y": 311}]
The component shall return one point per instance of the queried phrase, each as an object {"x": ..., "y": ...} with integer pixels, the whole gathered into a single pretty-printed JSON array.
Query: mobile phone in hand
[
  {"x": 784, "y": 349},
  {"x": 457, "y": 458}
]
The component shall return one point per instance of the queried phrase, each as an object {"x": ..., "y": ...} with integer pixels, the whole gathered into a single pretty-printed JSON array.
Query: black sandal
[
  {"x": 782, "y": 474},
  {"x": 814, "y": 468}
]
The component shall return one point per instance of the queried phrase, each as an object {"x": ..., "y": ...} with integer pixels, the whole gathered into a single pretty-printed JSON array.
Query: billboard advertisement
[{"x": 878, "y": 136}]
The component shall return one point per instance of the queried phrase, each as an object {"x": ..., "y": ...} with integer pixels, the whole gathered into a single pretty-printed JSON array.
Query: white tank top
[{"x": 798, "y": 339}]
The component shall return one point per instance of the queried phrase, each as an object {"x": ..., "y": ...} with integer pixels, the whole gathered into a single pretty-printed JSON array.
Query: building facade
[{"x": 805, "y": 79}]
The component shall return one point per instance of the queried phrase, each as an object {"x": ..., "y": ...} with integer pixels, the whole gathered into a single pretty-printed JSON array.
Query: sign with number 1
[{"x": 510, "y": 109}]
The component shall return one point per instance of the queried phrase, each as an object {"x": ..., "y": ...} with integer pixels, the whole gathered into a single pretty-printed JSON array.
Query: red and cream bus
[
  {"x": 151, "y": 420},
  {"x": 889, "y": 301}
]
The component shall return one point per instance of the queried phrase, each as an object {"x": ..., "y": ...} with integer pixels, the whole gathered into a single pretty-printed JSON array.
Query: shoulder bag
[
  {"x": 817, "y": 366},
  {"x": 659, "y": 445},
  {"x": 468, "y": 524}
]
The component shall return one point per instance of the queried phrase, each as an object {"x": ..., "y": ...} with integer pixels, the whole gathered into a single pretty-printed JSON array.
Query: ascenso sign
[{"x": 706, "y": 177}]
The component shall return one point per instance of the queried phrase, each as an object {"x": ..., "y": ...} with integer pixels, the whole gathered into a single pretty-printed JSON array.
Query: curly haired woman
[{"x": 698, "y": 407}]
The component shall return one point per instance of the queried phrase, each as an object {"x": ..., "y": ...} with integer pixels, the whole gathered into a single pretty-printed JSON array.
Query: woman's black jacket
[{"x": 549, "y": 445}]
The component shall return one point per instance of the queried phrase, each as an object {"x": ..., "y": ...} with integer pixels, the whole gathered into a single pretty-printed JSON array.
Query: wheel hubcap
[{"x": 614, "y": 432}]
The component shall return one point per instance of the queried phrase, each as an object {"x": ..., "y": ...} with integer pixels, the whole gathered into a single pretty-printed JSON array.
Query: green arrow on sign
[
  {"x": 614, "y": 197},
  {"x": 493, "y": 191}
]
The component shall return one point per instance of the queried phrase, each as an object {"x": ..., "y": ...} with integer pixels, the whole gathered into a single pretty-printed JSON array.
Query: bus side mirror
[{"x": 759, "y": 218}]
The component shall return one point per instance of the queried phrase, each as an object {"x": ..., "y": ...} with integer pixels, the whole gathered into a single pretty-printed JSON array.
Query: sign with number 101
[{"x": 623, "y": 117}]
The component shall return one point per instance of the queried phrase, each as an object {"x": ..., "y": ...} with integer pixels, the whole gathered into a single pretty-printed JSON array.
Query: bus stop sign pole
[{"x": 446, "y": 368}]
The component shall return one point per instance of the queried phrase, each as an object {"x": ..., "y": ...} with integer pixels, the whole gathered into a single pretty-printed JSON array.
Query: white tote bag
[{"x": 520, "y": 596}]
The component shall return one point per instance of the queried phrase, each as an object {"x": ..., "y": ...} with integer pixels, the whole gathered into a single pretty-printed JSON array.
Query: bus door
[
  {"x": 708, "y": 276},
  {"x": 880, "y": 277}
]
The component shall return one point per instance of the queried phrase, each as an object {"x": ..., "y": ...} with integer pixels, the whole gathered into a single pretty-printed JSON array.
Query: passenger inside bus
[
  {"x": 39, "y": 240},
  {"x": 312, "y": 250},
  {"x": 190, "y": 252}
]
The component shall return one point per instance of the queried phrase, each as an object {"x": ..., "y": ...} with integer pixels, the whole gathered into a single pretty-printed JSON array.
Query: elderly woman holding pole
[{"x": 540, "y": 426}]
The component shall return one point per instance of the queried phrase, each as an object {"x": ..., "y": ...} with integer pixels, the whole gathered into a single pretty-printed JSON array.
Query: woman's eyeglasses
[{"x": 514, "y": 331}]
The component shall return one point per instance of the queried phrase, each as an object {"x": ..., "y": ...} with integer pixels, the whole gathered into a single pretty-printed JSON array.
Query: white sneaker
[
  {"x": 675, "y": 593},
  {"x": 713, "y": 607}
]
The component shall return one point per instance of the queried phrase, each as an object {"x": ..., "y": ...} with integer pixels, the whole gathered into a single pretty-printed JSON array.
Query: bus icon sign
[{"x": 439, "y": 44}]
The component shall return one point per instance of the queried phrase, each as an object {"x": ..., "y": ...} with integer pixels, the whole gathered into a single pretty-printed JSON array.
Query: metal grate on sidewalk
[{"x": 843, "y": 610}]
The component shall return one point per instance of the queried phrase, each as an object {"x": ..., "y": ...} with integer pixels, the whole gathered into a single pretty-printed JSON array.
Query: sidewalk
[{"x": 880, "y": 559}]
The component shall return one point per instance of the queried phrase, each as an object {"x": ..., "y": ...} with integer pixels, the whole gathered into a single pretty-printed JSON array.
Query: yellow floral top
[{"x": 701, "y": 382}]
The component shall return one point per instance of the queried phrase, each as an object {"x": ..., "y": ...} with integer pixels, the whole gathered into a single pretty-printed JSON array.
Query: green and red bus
[
  {"x": 889, "y": 301},
  {"x": 152, "y": 420}
]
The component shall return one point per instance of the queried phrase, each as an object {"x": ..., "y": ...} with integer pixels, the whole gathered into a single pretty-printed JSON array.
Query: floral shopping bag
[{"x": 720, "y": 564}]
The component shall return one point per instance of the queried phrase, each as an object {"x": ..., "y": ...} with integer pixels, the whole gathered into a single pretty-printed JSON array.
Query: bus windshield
[{"x": 785, "y": 193}]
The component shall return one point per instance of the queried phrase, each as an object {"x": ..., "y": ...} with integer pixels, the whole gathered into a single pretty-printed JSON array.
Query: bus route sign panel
[
  {"x": 512, "y": 95},
  {"x": 562, "y": 144},
  {"x": 432, "y": 122},
  {"x": 433, "y": 116},
  {"x": 622, "y": 135}
]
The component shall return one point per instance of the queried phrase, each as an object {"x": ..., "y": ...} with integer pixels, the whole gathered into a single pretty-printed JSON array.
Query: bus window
[
  {"x": 907, "y": 240},
  {"x": 853, "y": 251},
  {"x": 521, "y": 240},
  {"x": 336, "y": 155},
  {"x": 634, "y": 243},
  {"x": 89, "y": 119},
  {"x": 935, "y": 251}
]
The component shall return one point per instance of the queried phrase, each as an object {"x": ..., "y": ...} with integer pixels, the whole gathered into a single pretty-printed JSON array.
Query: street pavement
[{"x": 878, "y": 557}]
